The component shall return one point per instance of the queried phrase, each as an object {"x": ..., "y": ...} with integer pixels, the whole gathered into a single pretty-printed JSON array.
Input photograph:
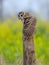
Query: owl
[{"x": 29, "y": 23}]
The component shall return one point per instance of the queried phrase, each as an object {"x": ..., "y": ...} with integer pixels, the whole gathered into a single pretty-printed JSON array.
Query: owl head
[{"x": 22, "y": 15}]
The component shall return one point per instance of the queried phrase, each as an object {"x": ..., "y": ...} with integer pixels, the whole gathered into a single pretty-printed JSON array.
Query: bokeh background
[{"x": 11, "y": 38}]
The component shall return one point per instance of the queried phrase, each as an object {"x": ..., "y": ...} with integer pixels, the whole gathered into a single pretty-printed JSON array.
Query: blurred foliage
[
  {"x": 11, "y": 44},
  {"x": 11, "y": 39},
  {"x": 41, "y": 40}
]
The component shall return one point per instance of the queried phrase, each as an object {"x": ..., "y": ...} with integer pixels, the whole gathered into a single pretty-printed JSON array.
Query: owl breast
[{"x": 29, "y": 27}]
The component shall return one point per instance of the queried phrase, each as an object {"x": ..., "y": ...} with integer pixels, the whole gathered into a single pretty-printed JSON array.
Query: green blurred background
[{"x": 11, "y": 41}]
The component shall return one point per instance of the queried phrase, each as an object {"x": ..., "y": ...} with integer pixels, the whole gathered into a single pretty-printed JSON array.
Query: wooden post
[{"x": 29, "y": 52}]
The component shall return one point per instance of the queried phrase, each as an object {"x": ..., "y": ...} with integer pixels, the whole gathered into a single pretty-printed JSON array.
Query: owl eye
[{"x": 21, "y": 15}]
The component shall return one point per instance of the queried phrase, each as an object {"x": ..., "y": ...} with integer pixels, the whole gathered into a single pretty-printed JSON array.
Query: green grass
[
  {"x": 41, "y": 40},
  {"x": 11, "y": 40}
]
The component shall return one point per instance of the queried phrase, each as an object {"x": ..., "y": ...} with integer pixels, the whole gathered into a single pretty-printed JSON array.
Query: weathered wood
[{"x": 29, "y": 52}]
